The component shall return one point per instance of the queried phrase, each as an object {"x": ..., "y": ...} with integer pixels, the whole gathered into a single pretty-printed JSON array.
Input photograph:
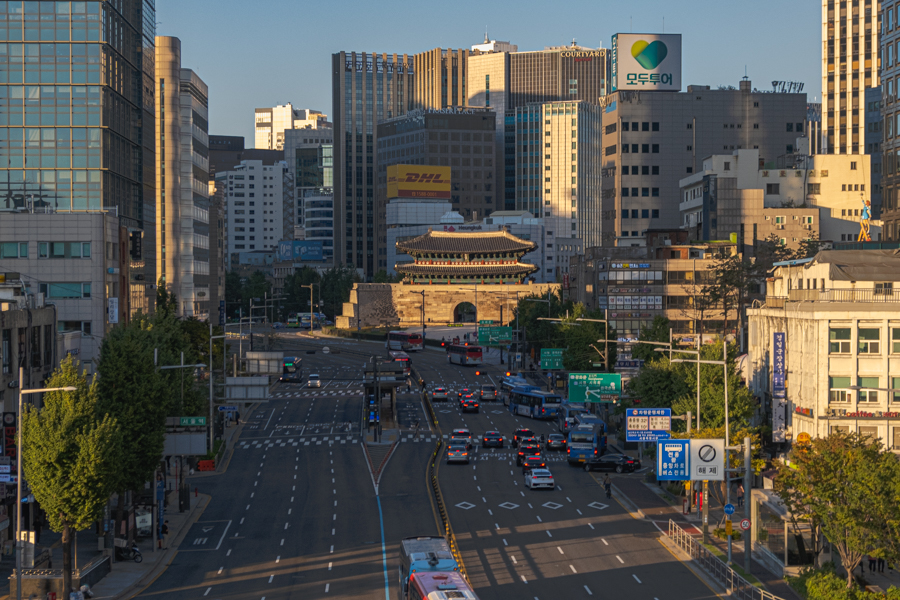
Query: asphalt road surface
[{"x": 296, "y": 515}]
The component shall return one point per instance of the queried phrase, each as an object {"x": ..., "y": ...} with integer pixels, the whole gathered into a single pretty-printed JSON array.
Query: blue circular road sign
[{"x": 729, "y": 509}]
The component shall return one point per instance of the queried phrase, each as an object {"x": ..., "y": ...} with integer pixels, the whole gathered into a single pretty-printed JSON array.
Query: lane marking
[
  {"x": 636, "y": 578},
  {"x": 228, "y": 553},
  {"x": 271, "y": 577},
  {"x": 573, "y": 569},
  {"x": 504, "y": 542},
  {"x": 590, "y": 525},
  {"x": 282, "y": 542},
  {"x": 514, "y": 560},
  {"x": 549, "y": 534},
  {"x": 560, "y": 550},
  {"x": 620, "y": 559},
  {"x": 387, "y": 590},
  {"x": 242, "y": 521},
  {"x": 220, "y": 571},
  {"x": 331, "y": 551},
  {"x": 539, "y": 520},
  {"x": 523, "y": 579},
  {"x": 277, "y": 559},
  {"x": 221, "y": 539},
  {"x": 329, "y": 566},
  {"x": 248, "y": 507},
  {"x": 327, "y": 586},
  {"x": 208, "y": 590},
  {"x": 586, "y": 588},
  {"x": 285, "y": 525},
  {"x": 605, "y": 543}
]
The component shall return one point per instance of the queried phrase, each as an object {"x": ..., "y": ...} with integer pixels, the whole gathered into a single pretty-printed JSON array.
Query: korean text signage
[
  {"x": 494, "y": 335},
  {"x": 418, "y": 181},
  {"x": 648, "y": 424},
  {"x": 707, "y": 460},
  {"x": 779, "y": 396},
  {"x": 649, "y": 62},
  {"x": 300, "y": 250},
  {"x": 551, "y": 358},
  {"x": 595, "y": 387},
  {"x": 673, "y": 460}
]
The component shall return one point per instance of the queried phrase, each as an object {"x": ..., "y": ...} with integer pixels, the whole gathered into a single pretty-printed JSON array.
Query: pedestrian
[
  {"x": 740, "y": 494},
  {"x": 881, "y": 562},
  {"x": 607, "y": 485},
  {"x": 164, "y": 534},
  {"x": 417, "y": 429},
  {"x": 237, "y": 417},
  {"x": 872, "y": 562}
]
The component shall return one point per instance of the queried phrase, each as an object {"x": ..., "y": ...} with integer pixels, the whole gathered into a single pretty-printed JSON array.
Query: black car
[
  {"x": 492, "y": 438},
  {"x": 526, "y": 450},
  {"x": 636, "y": 461},
  {"x": 556, "y": 441},
  {"x": 519, "y": 434},
  {"x": 611, "y": 462}
]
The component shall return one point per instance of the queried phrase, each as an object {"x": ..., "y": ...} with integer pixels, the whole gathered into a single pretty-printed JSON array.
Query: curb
[{"x": 687, "y": 561}]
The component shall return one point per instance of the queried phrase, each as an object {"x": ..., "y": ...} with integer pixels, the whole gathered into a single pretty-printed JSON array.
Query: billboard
[
  {"x": 646, "y": 61},
  {"x": 300, "y": 251},
  {"x": 418, "y": 181}
]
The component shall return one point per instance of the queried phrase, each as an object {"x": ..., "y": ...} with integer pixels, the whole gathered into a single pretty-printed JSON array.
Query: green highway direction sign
[
  {"x": 486, "y": 322},
  {"x": 595, "y": 387},
  {"x": 551, "y": 358},
  {"x": 494, "y": 335},
  {"x": 192, "y": 421}
]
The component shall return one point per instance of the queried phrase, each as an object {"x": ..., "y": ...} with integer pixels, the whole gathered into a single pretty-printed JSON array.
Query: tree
[
  {"x": 382, "y": 277},
  {"x": 657, "y": 332},
  {"x": 166, "y": 303},
  {"x": 731, "y": 276},
  {"x": 838, "y": 483},
  {"x": 233, "y": 285},
  {"x": 297, "y": 296},
  {"x": 336, "y": 285},
  {"x": 70, "y": 456}
]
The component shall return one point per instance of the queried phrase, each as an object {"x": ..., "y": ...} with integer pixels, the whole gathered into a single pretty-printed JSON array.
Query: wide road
[{"x": 296, "y": 514}]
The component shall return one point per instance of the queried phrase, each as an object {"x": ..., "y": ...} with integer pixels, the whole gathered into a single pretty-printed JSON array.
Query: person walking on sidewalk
[
  {"x": 872, "y": 561},
  {"x": 164, "y": 535},
  {"x": 740, "y": 494},
  {"x": 607, "y": 485}
]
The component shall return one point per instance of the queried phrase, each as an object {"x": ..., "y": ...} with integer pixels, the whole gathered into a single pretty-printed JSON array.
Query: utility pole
[{"x": 748, "y": 482}]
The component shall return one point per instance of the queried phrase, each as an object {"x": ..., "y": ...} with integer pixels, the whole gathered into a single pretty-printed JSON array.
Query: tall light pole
[
  {"x": 311, "y": 305},
  {"x": 19, "y": 540}
]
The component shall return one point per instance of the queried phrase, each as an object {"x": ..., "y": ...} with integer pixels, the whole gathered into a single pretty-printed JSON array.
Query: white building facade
[{"x": 270, "y": 124}]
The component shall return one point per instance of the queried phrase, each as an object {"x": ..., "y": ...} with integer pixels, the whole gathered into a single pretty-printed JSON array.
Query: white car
[
  {"x": 539, "y": 478},
  {"x": 314, "y": 381}
]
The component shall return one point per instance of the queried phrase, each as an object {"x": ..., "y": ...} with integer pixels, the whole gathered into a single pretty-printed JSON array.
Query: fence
[{"x": 734, "y": 584}]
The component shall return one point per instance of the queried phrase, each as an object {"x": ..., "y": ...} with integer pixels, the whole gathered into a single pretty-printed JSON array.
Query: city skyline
[{"x": 307, "y": 83}]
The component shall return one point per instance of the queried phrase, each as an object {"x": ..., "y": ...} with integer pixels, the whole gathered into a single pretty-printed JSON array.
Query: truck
[
  {"x": 587, "y": 440},
  {"x": 424, "y": 553}
]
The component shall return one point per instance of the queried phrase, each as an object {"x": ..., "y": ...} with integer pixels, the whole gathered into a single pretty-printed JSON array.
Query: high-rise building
[
  {"x": 366, "y": 88},
  {"x": 440, "y": 78},
  {"x": 890, "y": 111},
  {"x": 489, "y": 45},
  {"x": 182, "y": 181},
  {"x": 558, "y": 162},
  {"x": 651, "y": 140},
  {"x": 314, "y": 205},
  {"x": 271, "y": 123},
  {"x": 850, "y": 65},
  {"x": 227, "y": 151},
  {"x": 73, "y": 137},
  {"x": 873, "y": 139}
]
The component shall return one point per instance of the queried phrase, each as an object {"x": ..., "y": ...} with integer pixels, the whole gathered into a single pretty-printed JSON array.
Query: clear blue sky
[{"x": 264, "y": 53}]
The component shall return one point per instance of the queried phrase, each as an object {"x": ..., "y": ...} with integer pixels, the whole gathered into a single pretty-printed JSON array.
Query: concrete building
[
  {"x": 216, "y": 252},
  {"x": 558, "y": 161},
  {"x": 272, "y": 122},
  {"x": 489, "y": 45},
  {"x": 80, "y": 262},
  {"x": 255, "y": 196},
  {"x": 837, "y": 322},
  {"x": 440, "y": 80},
  {"x": 890, "y": 114},
  {"x": 227, "y": 151},
  {"x": 850, "y": 64},
  {"x": 462, "y": 139},
  {"x": 653, "y": 139},
  {"x": 873, "y": 137},
  {"x": 314, "y": 204},
  {"x": 409, "y": 218},
  {"x": 366, "y": 88},
  {"x": 182, "y": 181},
  {"x": 808, "y": 196},
  {"x": 91, "y": 153}
]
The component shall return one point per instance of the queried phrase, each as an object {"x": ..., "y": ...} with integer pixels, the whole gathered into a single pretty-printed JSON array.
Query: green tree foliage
[
  {"x": 382, "y": 277},
  {"x": 166, "y": 303},
  {"x": 825, "y": 584},
  {"x": 844, "y": 484},
  {"x": 296, "y": 297},
  {"x": 731, "y": 277},
  {"x": 239, "y": 291},
  {"x": 666, "y": 384},
  {"x": 336, "y": 285},
  {"x": 657, "y": 332},
  {"x": 71, "y": 456}
]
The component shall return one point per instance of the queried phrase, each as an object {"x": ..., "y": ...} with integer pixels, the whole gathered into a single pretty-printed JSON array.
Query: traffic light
[
  {"x": 508, "y": 374},
  {"x": 443, "y": 344},
  {"x": 477, "y": 372}
]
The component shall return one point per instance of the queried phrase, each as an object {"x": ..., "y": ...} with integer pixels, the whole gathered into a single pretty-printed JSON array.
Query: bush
[
  {"x": 826, "y": 584},
  {"x": 719, "y": 532}
]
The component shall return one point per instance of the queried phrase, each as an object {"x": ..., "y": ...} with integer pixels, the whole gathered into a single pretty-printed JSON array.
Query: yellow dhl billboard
[{"x": 418, "y": 181}]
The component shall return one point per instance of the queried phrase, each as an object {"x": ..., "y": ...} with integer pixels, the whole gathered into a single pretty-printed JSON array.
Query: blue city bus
[
  {"x": 567, "y": 417},
  {"x": 586, "y": 440},
  {"x": 512, "y": 381},
  {"x": 531, "y": 402}
]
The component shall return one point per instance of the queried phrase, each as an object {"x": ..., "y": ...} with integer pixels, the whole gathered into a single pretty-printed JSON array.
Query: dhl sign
[{"x": 418, "y": 181}]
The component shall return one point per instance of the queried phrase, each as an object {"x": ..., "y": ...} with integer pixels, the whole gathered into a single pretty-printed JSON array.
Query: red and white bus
[
  {"x": 403, "y": 358},
  {"x": 429, "y": 585},
  {"x": 402, "y": 340},
  {"x": 464, "y": 355}
]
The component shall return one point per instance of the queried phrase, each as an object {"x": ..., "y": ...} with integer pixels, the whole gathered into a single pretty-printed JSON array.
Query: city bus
[
  {"x": 586, "y": 440},
  {"x": 291, "y": 370},
  {"x": 534, "y": 403},
  {"x": 403, "y": 358},
  {"x": 508, "y": 383},
  {"x": 464, "y": 355},
  {"x": 420, "y": 555},
  {"x": 402, "y": 340},
  {"x": 567, "y": 417},
  {"x": 293, "y": 322},
  {"x": 439, "y": 586}
]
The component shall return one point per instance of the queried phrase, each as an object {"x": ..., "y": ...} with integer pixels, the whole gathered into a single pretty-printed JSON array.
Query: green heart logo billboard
[{"x": 646, "y": 62}]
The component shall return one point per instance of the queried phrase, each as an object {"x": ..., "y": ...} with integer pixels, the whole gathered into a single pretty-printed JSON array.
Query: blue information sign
[
  {"x": 648, "y": 424},
  {"x": 673, "y": 460},
  {"x": 729, "y": 509}
]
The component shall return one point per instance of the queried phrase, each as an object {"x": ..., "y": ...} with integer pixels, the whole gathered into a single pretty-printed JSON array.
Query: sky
[{"x": 260, "y": 54}]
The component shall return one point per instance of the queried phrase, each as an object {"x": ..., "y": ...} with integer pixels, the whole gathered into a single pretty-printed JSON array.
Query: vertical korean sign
[{"x": 779, "y": 396}]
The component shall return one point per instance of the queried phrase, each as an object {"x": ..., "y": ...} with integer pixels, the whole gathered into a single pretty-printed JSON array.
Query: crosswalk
[
  {"x": 293, "y": 442},
  {"x": 317, "y": 393}
]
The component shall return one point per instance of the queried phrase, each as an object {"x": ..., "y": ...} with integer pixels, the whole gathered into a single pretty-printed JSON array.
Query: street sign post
[
  {"x": 228, "y": 408},
  {"x": 707, "y": 460},
  {"x": 494, "y": 335},
  {"x": 192, "y": 421},
  {"x": 595, "y": 387},
  {"x": 729, "y": 509},
  {"x": 673, "y": 460},
  {"x": 745, "y": 524},
  {"x": 551, "y": 358},
  {"x": 648, "y": 424}
]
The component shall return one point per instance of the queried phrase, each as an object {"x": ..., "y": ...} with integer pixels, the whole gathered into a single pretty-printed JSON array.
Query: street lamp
[{"x": 19, "y": 459}]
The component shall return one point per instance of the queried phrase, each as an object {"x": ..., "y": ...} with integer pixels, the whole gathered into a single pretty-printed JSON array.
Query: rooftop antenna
[
  {"x": 487, "y": 40},
  {"x": 664, "y": 24}
]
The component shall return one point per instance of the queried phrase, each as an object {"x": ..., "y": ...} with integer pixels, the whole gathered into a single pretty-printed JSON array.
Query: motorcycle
[{"x": 132, "y": 553}]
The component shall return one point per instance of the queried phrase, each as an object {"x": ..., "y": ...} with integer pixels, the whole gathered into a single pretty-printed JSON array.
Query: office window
[
  {"x": 645, "y": 126},
  {"x": 839, "y": 340},
  {"x": 645, "y": 192},
  {"x": 870, "y": 395},
  {"x": 655, "y": 126},
  {"x": 654, "y": 192},
  {"x": 655, "y": 148},
  {"x": 624, "y": 192},
  {"x": 837, "y": 389},
  {"x": 624, "y": 125},
  {"x": 645, "y": 148},
  {"x": 654, "y": 214},
  {"x": 895, "y": 385},
  {"x": 634, "y": 213},
  {"x": 14, "y": 250},
  {"x": 814, "y": 188},
  {"x": 869, "y": 341},
  {"x": 65, "y": 290},
  {"x": 654, "y": 170},
  {"x": 895, "y": 340},
  {"x": 727, "y": 166},
  {"x": 773, "y": 188},
  {"x": 645, "y": 213},
  {"x": 852, "y": 166}
]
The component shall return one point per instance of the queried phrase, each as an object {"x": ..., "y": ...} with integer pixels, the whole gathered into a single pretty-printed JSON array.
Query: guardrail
[{"x": 734, "y": 584}]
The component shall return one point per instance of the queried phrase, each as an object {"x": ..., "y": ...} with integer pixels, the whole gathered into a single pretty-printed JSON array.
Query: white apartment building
[
  {"x": 850, "y": 65},
  {"x": 271, "y": 123},
  {"x": 839, "y": 316},
  {"x": 254, "y": 206},
  {"x": 835, "y": 185}
]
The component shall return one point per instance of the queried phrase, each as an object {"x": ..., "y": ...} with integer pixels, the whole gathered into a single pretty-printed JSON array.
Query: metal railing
[
  {"x": 735, "y": 585},
  {"x": 844, "y": 295}
]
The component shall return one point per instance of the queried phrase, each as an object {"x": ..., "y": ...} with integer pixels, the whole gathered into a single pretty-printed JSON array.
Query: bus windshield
[{"x": 585, "y": 437}]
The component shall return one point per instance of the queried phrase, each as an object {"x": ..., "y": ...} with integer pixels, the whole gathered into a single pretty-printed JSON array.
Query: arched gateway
[{"x": 448, "y": 269}]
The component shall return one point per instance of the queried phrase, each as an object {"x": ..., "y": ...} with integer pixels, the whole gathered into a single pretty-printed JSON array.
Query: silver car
[
  {"x": 439, "y": 395},
  {"x": 314, "y": 381},
  {"x": 457, "y": 452}
]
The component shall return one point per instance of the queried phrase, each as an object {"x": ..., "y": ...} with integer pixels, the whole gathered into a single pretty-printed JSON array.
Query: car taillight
[
  {"x": 568, "y": 451},
  {"x": 595, "y": 451}
]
